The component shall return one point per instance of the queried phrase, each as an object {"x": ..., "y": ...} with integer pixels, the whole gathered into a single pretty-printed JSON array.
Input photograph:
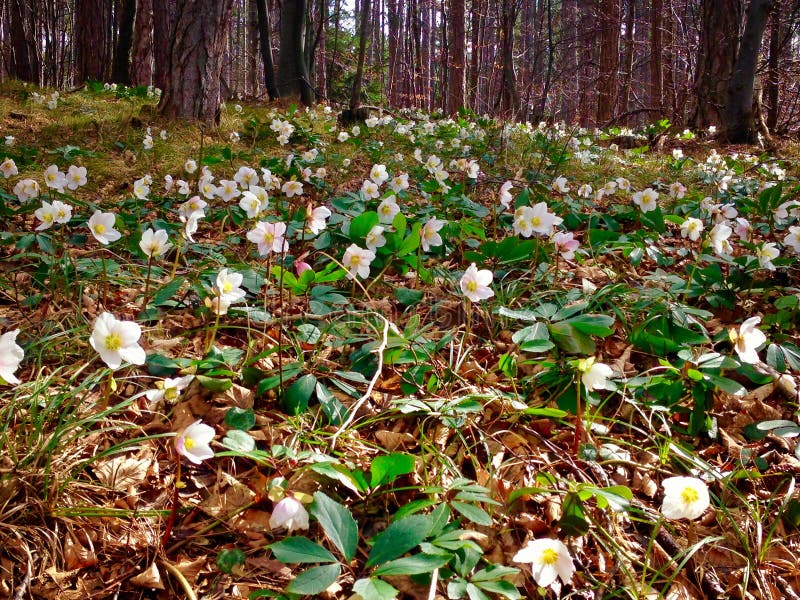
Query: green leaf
[
  {"x": 599, "y": 325},
  {"x": 300, "y": 549},
  {"x": 493, "y": 573},
  {"x": 408, "y": 297},
  {"x": 297, "y": 395},
  {"x": 413, "y": 565},
  {"x": 570, "y": 340},
  {"x": 338, "y": 523},
  {"x": 518, "y": 315},
  {"x": 362, "y": 225},
  {"x": 161, "y": 366},
  {"x": 315, "y": 580},
  {"x": 398, "y": 538},
  {"x": 374, "y": 589},
  {"x": 474, "y": 593},
  {"x": 387, "y": 468},
  {"x": 573, "y": 519},
  {"x": 308, "y": 333},
  {"x": 474, "y": 513},
  {"x": 411, "y": 242},
  {"x": 168, "y": 291},
  {"x": 239, "y": 441},
  {"x": 501, "y": 588},
  {"x": 333, "y": 409},
  {"x": 229, "y": 559},
  {"x": 214, "y": 384},
  {"x": 240, "y": 418},
  {"x": 534, "y": 338}
]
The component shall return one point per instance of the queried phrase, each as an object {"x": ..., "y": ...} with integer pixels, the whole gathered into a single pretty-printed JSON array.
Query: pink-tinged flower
[
  {"x": 227, "y": 190},
  {"x": 292, "y": 188},
  {"x": 677, "y": 190},
  {"x": 270, "y": 237},
  {"x": 475, "y": 284},
  {"x": 194, "y": 442},
  {"x": 10, "y": 356},
  {"x": 317, "y": 219},
  {"x": 399, "y": 182},
  {"x": 8, "y": 168},
  {"x": 585, "y": 191},
  {"x": 246, "y": 176},
  {"x": 429, "y": 234},
  {"x": 102, "y": 227},
  {"x": 560, "y": 185},
  {"x": 718, "y": 238},
  {"x": 388, "y": 209},
  {"x": 193, "y": 206},
  {"x": 357, "y": 261},
  {"x": 684, "y": 498},
  {"x": 747, "y": 340},
  {"x": 743, "y": 228},
  {"x": 301, "y": 267},
  {"x": 76, "y": 177},
  {"x": 505, "y": 194},
  {"x": 289, "y": 513},
  {"x": 117, "y": 341},
  {"x": 792, "y": 239},
  {"x": 646, "y": 200},
  {"x": 25, "y": 189},
  {"x": 375, "y": 238},
  {"x": 565, "y": 244},
  {"x": 692, "y": 228},
  {"x": 549, "y": 559},
  {"x": 154, "y": 243}
]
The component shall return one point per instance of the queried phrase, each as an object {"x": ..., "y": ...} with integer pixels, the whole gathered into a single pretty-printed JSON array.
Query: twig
[
  {"x": 19, "y": 594},
  {"x": 434, "y": 581},
  {"x": 360, "y": 402},
  {"x": 175, "y": 572}
]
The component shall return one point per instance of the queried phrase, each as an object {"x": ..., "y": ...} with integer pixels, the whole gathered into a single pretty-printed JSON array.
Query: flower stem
[{"x": 147, "y": 282}]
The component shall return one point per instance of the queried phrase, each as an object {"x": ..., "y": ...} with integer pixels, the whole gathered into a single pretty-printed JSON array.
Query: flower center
[
  {"x": 170, "y": 394},
  {"x": 188, "y": 443},
  {"x": 549, "y": 556},
  {"x": 689, "y": 495},
  {"x": 536, "y": 221},
  {"x": 472, "y": 286},
  {"x": 99, "y": 229},
  {"x": 227, "y": 287},
  {"x": 355, "y": 260},
  {"x": 113, "y": 341}
]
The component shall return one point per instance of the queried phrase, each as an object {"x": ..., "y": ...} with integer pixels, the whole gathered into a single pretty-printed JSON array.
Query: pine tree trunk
[
  {"x": 609, "y": 60},
  {"x": 457, "y": 54},
  {"x": 656, "y": 53},
  {"x": 773, "y": 79},
  {"x": 355, "y": 93},
  {"x": 197, "y": 47},
  {"x": 142, "y": 55},
  {"x": 93, "y": 43},
  {"x": 120, "y": 70},
  {"x": 163, "y": 22},
  {"x": 292, "y": 77},
  {"x": 265, "y": 45}
]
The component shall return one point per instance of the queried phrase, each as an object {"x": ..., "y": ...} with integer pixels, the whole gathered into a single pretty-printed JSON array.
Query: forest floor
[{"x": 433, "y": 418}]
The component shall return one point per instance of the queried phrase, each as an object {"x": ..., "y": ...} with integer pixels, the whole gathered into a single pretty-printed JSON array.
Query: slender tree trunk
[
  {"x": 568, "y": 60},
  {"x": 549, "y": 69},
  {"x": 509, "y": 102},
  {"x": 627, "y": 59},
  {"x": 93, "y": 43},
  {"x": 457, "y": 55},
  {"x": 739, "y": 116},
  {"x": 609, "y": 60},
  {"x": 587, "y": 52},
  {"x": 773, "y": 79},
  {"x": 355, "y": 93},
  {"x": 197, "y": 47},
  {"x": 142, "y": 56},
  {"x": 292, "y": 77},
  {"x": 120, "y": 70},
  {"x": 656, "y": 54}
]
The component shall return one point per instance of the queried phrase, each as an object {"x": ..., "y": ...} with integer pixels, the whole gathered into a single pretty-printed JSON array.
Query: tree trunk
[
  {"x": 120, "y": 70},
  {"x": 568, "y": 60},
  {"x": 719, "y": 32},
  {"x": 776, "y": 45},
  {"x": 197, "y": 46},
  {"x": 656, "y": 53},
  {"x": 509, "y": 102},
  {"x": 355, "y": 93},
  {"x": 739, "y": 117},
  {"x": 25, "y": 63},
  {"x": 457, "y": 54},
  {"x": 627, "y": 59},
  {"x": 163, "y": 22},
  {"x": 265, "y": 38},
  {"x": 609, "y": 60},
  {"x": 292, "y": 77},
  {"x": 93, "y": 45},
  {"x": 142, "y": 56}
]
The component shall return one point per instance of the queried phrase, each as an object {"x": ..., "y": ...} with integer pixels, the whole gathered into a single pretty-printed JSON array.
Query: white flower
[
  {"x": 343, "y": 136},
  {"x": 269, "y": 237},
  {"x": 193, "y": 206},
  {"x": 10, "y": 356},
  {"x": 370, "y": 189},
  {"x": 357, "y": 260},
  {"x": 792, "y": 239},
  {"x": 646, "y": 200},
  {"x": 623, "y": 184},
  {"x": 289, "y": 513},
  {"x": 154, "y": 243},
  {"x": 102, "y": 227},
  {"x": 55, "y": 179},
  {"x": 246, "y": 176},
  {"x": 718, "y": 239},
  {"x": 747, "y": 340},
  {"x": 251, "y": 204},
  {"x": 684, "y": 498},
  {"x": 743, "y": 228},
  {"x": 609, "y": 188},
  {"x": 388, "y": 209},
  {"x": 560, "y": 185},
  {"x": 292, "y": 188},
  {"x": 228, "y": 190},
  {"x": 399, "y": 182},
  {"x": 474, "y": 284},
  {"x": 76, "y": 177},
  {"x": 117, "y": 341},
  {"x": 585, "y": 191},
  {"x": 677, "y": 153},
  {"x": 565, "y": 244},
  {"x": 190, "y": 166},
  {"x": 429, "y": 235},
  {"x": 505, "y": 194},
  {"x": 542, "y": 221},
  {"x": 677, "y": 190},
  {"x": 226, "y": 287},
  {"x": 141, "y": 188},
  {"x": 316, "y": 220},
  {"x": 549, "y": 559},
  {"x": 378, "y": 174},
  {"x": 193, "y": 442},
  {"x": 692, "y": 228},
  {"x": 766, "y": 253},
  {"x": 375, "y": 238},
  {"x": 594, "y": 375},
  {"x": 46, "y": 215},
  {"x": 169, "y": 389}
]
